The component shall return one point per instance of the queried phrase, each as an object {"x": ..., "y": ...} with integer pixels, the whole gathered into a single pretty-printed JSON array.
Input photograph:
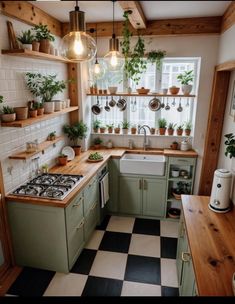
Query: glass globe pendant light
[
  {"x": 98, "y": 70},
  {"x": 77, "y": 45},
  {"x": 114, "y": 60}
]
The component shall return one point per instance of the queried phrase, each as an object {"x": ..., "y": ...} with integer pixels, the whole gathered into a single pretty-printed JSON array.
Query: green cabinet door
[
  {"x": 130, "y": 195},
  {"x": 154, "y": 196},
  {"x": 113, "y": 184},
  {"x": 188, "y": 277}
]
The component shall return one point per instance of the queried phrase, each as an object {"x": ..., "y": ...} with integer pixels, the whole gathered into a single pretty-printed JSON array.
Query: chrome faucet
[{"x": 145, "y": 144}]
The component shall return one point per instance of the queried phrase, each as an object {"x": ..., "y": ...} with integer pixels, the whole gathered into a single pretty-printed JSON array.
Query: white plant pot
[
  {"x": 49, "y": 107},
  {"x": 28, "y": 46},
  {"x": 58, "y": 105},
  {"x": 125, "y": 131},
  {"x": 186, "y": 89}
]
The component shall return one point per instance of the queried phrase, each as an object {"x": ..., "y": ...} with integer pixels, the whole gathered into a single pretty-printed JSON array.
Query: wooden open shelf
[
  {"x": 33, "y": 54},
  {"x": 31, "y": 121},
  {"x": 143, "y": 95},
  {"x": 41, "y": 147}
]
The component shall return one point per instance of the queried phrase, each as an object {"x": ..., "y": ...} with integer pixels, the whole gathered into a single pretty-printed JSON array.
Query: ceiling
[{"x": 98, "y": 11}]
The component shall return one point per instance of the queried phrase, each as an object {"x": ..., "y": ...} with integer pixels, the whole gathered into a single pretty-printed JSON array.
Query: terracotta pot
[
  {"x": 174, "y": 90},
  {"x": 40, "y": 111},
  {"x": 133, "y": 130},
  {"x": 35, "y": 46},
  {"x": 77, "y": 150},
  {"x": 21, "y": 113},
  {"x": 102, "y": 130},
  {"x": 117, "y": 130},
  {"x": 97, "y": 146},
  {"x": 170, "y": 131},
  {"x": 187, "y": 132},
  {"x": 110, "y": 130},
  {"x": 45, "y": 46},
  {"x": 152, "y": 131},
  {"x": 8, "y": 117},
  {"x": 179, "y": 132},
  {"x": 162, "y": 131},
  {"x": 96, "y": 130},
  {"x": 33, "y": 113},
  {"x": 63, "y": 160},
  {"x": 174, "y": 146}
]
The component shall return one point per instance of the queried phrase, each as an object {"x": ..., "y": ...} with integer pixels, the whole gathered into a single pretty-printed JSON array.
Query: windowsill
[{"x": 140, "y": 135}]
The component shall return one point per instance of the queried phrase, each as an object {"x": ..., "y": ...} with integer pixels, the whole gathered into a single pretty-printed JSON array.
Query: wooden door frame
[{"x": 215, "y": 125}]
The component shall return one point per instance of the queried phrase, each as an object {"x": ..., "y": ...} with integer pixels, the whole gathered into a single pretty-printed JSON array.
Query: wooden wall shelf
[
  {"x": 41, "y": 147},
  {"x": 31, "y": 121},
  {"x": 143, "y": 95},
  {"x": 33, "y": 54}
]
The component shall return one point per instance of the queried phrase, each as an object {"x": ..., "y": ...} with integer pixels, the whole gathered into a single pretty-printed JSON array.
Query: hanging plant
[
  {"x": 156, "y": 57},
  {"x": 230, "y": 143}
]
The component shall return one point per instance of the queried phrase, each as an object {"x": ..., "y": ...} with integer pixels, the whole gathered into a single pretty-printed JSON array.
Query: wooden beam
[
  {"x": 137, "y": 17},
  {"x": 73, "y": 91},
  {"x": 214, "y": 130},
  {"x": 168, "y": 27},
  {"x": 30, "y": 14},
  {"x": 226, "y": 66},
  {"x": 228, "y": 18}
]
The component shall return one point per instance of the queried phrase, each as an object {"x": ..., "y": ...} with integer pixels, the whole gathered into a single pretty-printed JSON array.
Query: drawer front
[
  {"x": 91, "y": 220},
  {"x": 74, "y": 212},
  {"x": 75, "y": 242},
  {"x": 182, "y": 161},
  {"x": 90, "y": 194}
]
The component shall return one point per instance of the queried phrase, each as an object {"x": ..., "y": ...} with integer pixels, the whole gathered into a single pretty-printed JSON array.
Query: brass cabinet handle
[
  {"x": 80, "y": 226},
  {"x": 145, "y": 185},
  {"x": 140, "y": 184},
  {"x": 185, "y": 256}
]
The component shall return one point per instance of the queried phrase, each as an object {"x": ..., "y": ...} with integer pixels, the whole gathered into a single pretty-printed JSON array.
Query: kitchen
[{"x": 126, "y": 203}]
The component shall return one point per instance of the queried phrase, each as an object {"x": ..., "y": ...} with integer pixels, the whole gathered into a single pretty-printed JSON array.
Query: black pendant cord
[
  {"x": 96, "y": 60},
  {"x": 113, "y": 35},
  {"x": 76, "y": 7}
]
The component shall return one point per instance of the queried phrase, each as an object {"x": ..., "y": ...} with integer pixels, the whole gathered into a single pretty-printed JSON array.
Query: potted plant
[
  {"x": 133, "y": 129},
  {"x": 174, "y": 145},
  {"x": 170, "y": 128},
  {"x": 152, "y": 131},
  {"x": 62, "y": 159},
  {"x": 7, "y": 113},
  {"x": 44, "y": 36},
  {"x": 97, "y": 143},
  {"x": 45, "y": 86},
  {"x": 102, "y": 129},
  {"x": 182, "y": 188},
  {"x": 180, "y": 129},
  {"x": 33, "y": 111},
  {"x": 162, "y": 123},
  {"x": 185, "y": 79},
  {"x": 174, "y": 90},
  {"x": 26, "y": 39},
  {"x": 51, "y": 136},
  {"x": 156, "y": 57},
  {"x": 39, "y": 107},
  {"x": 96, "y": 125},
  {"x": 35, "y": 45},
  {"x": 187, "y": 128},
  {"x": 76, "y": 132},
  {"x": 110, "y": 128},
  {"x": 125, "y": 127},
  {"x": 117, "y": 129},
  {"x": 230, "y": 143}
]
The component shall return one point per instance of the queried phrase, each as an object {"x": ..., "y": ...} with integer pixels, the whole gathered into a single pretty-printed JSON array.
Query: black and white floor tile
[{"x": 125, "y": 256}]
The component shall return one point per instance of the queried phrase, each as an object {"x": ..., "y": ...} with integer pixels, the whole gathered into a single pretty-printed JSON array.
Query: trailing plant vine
[
  {"x": 230, "y": 143},
  {"x": 156, "y": 57}
]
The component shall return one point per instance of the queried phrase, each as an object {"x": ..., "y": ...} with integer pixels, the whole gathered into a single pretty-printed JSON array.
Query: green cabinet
[
  {"x": 142, "y": 195},
  {"x": 113, "y": 167}
]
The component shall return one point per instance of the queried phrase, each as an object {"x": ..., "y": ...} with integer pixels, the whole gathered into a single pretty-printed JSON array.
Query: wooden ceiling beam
[
  {"x": 228, "y": 18},
  {"x": 30, "y": 14},
  {"x": 137, "y": 17}
]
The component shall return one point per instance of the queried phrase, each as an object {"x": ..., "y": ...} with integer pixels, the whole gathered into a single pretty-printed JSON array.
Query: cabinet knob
[
  {"x": 186, "y": 256},
  {"x": 81, "y": 224}
]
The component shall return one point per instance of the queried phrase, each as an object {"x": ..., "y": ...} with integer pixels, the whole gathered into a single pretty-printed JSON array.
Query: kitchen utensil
[
  {"x": 67, "y": 150},
  {"x": 120, "y": 103},
  {"x": 167, "y": 107},
  {"x": 124, "y": 107},
  {"x": 175, "y": 173},
  {"x": 174, "y": 90},
  {"x": 107, "y": 108},
  {"x": 173, "y": 102},
  {"x": 162, "y": 104},
  {"x": 220, "y": 194},
  {"x": 112, "y": 102},
  {"x": 180, "y": 108},
  {"x": 96, "y": 109},
  {"x": 154, "y": 104},
  {"x": 187, "y": 104}
]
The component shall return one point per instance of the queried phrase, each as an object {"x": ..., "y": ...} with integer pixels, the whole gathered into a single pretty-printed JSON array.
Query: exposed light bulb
[
  {"x": 78, "y": 45},
  {"x": 113, "y": 59}
]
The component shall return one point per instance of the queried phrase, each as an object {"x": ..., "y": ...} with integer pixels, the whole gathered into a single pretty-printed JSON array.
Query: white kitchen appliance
[{"x": 220, "y": 194}]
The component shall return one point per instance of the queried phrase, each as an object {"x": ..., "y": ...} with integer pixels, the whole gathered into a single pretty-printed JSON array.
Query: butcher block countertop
[
  {"x": 80, "y": 165},
  {"x": 211, "y": 238}
]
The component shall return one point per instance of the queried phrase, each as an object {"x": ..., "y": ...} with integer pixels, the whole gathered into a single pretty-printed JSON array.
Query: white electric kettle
[{"x": 184, "y": 146}]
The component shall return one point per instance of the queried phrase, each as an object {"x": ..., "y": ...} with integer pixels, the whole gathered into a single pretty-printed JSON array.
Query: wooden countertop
[
  {"x": 211, "y": 239},
  {"x": 80, "y": 165}
]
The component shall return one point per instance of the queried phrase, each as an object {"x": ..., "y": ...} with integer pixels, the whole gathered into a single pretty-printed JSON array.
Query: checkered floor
[{"x": 125, "y": 257}]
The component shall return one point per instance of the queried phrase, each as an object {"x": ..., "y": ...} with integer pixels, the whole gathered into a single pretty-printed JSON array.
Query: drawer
[
  {"x": 182, "y": 161},
  {"x": 75, "y": 242},
  {"x": 74, "y": 212},
  {"x": 90, "y": 194},
  {"x": 91, "y": 220}
]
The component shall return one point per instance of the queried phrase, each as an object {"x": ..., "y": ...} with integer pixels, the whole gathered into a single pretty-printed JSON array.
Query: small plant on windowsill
[
  {"x": 125, "y": 127},
  {"x": 170, "y": 128},
  {"x": 186, "y": 78},
  {"x": 102, "y": 129},
  {"x": 96, "y": 125},
  {"x": 117, "y": 129},
  {"x": 133, "y": 129},
  {"x": 230, "y": 143},
  {"x": 110, "y": 128},
  {"x": 162, "y": 123},
  {"x": 187, "y": 128},
  {"x": 180, "y": 129}
]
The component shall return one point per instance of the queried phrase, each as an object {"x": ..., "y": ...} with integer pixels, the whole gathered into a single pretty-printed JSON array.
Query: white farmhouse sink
[{"x": 143, "y": 164}]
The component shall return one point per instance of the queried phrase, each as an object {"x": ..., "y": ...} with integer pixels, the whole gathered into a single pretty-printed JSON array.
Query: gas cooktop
[{"x": 49, "y": 185}]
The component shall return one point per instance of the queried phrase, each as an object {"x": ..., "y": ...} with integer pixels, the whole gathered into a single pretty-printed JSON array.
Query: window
[{"x": 137, "y": 111}]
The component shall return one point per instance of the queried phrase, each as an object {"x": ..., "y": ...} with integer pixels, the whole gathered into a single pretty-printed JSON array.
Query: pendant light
[
  {"x": 97, "y": 69},
  {"x": 114, "y": 60},
  {"x": 77, "y": 45}
]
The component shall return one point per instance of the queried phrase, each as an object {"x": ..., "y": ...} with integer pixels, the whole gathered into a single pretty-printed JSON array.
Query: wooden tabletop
[
  {"x": 79, "y": 165},
  {"x": 211, "y": 239}
]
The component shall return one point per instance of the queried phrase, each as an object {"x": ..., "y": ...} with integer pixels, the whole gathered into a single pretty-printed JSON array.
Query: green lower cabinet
[
  {"x": 188, "y": 278},
  {"x": 154, "y": 197},
  {"x": 91, "y": 220},
  {"x": 113, "y": 167},
  {"x": 130, "y": 195}
]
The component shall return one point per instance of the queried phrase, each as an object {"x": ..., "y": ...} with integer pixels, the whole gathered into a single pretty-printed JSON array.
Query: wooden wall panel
[
  {"x": 137, "y": 17},
  {"x": 228, "y": 18},
  {"x": 73, "y": 90},
  {"x": 214, "y": 130}
]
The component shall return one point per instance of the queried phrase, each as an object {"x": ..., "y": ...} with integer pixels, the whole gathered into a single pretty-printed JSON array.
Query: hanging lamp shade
[
  {"x": 98, "y": 69},
  {"x": 77, "y": 45}
]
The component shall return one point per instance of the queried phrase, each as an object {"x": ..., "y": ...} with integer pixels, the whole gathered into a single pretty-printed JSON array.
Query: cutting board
[{"x": 12, "y": 37}]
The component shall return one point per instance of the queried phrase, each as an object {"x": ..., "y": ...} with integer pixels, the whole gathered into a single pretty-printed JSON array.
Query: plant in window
[
  {"x": 102, "y": 128},
  {"x": 170, "y": 128},
  {"x": 125, "y": 127},
  {"x": 96, "y": 125},
  {"x": 117, "y": 129},
  {"x": 156, "y": 57},
  {"x": 110, "y": 127},
  {"x": 187, "y": 128},
  {"x": 186, "y": 78},
  {"x": 162, "y": 123},
  {"x": 180, "y": 129},
  {"x": 230, "y": 143},
  {"x": 133, "y": 129}
]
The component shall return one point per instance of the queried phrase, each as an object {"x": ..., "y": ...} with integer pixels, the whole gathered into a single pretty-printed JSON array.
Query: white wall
[
  {"x": 204, "y": 47},
  {"x": 12, "y": 87},
  {"x": 227, "y": 45}
]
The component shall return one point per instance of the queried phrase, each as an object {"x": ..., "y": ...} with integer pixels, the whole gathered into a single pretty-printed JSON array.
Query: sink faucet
[{"x": 145, "y": 144}]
